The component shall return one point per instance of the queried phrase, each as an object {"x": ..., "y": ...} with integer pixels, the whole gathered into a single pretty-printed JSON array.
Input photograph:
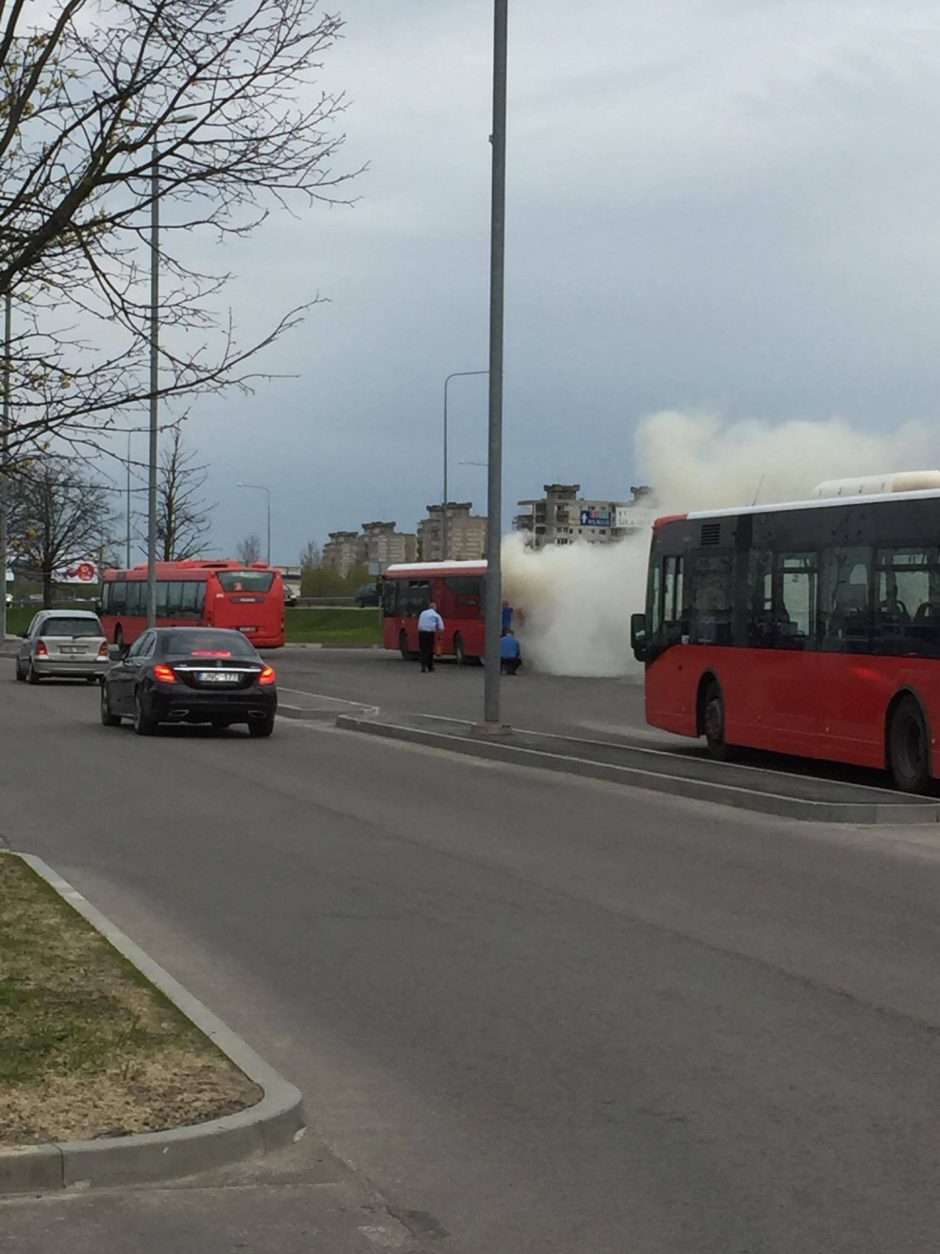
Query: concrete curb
[
  {"x": 275, "y": 1121},
  {"x": 776, "y": 804}
]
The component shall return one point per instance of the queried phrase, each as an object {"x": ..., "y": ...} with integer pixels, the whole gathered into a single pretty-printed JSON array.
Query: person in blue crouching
[{"x": 510, "y": 654}]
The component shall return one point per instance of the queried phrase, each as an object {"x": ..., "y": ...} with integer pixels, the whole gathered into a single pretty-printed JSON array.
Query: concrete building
[
  {"x": 466, "y": 534},
  {"x": 381, "y": 545},
  {"x": 564, "y": 517},
  {"x": 342, "y": 551}
]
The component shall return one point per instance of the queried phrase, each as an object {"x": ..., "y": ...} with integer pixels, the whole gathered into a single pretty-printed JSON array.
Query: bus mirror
[{"x": 638, "y": 635}]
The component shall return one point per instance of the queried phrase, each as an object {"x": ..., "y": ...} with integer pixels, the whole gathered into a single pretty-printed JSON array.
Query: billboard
[
  {"x": 596, "y": 516},
  {"x": 81, "y": 571}
]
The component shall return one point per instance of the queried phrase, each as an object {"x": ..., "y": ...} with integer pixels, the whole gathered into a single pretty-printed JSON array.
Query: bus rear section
[
  {"x": 810, "y": 628},
  {"x": 249, "y": 599},
  {"x": 457, "y": 590},
  {"x": 196, "y": 593}
]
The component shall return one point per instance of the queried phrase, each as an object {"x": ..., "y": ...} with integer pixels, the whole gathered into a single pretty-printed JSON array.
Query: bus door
[{"x": 779, "y": 702}]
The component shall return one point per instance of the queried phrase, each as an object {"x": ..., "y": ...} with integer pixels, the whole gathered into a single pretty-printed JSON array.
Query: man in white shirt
[{"x": 430, "y": 625}]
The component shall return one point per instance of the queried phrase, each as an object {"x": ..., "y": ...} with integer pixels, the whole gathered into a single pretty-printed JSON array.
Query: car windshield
[
  {"x": 71, "y": 627},
  {"x": 206, "y": 643},
  {"x": 246, "y": 580}
]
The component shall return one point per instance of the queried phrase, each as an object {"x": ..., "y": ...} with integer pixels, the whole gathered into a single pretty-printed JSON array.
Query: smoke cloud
[{"x": 576, "y": 600}]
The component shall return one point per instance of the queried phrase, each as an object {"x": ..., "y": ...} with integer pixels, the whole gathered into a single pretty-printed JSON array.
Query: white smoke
[{"x": 576, "y": 600}]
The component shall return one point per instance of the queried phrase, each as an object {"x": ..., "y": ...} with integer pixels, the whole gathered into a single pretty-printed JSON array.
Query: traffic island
[
  {"x": 765, "y": 788},
  {"x": 110, "y": 1071}
]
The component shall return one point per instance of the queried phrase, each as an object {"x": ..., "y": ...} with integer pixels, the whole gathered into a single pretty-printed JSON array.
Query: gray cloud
[{"x": 725, "y": 205}]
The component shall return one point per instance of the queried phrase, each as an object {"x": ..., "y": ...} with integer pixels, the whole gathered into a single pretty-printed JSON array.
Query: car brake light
[
  {"x": 164, "y": 674},
  {"x": 41, "y": 650},
  {"x": 103, "y": 650},
  {"x": 267, "y": 676}
]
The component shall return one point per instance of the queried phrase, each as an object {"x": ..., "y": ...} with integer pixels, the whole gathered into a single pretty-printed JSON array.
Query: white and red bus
[
  {"x": 808, "y": 628},
  {"x": 200, "y": 592},
  {"x": 457, "y": 589}
]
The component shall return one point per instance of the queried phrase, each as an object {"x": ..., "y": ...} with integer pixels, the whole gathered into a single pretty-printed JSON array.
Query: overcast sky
[{"x": 716, "y": 205}]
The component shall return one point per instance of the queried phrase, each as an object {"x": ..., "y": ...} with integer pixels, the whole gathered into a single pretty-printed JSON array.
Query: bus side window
[
  {"x": 712, "y": 599},
  {"x": 419, "y": 597},
  {"x": 655, "y": 608},
  {"x": 795, "y": 602},
  {"x": 845, "y": 600},
  {"x": 390, "y": 589},
  {"x": 136, "y": 602}
]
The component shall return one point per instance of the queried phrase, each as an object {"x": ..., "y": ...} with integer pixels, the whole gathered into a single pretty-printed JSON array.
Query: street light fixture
[
  {"x": 458, "y": 374},
  {"x": 259, "y": 487}
]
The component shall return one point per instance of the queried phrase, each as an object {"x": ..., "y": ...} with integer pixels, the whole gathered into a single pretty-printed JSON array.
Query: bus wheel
[
  {"x": 713, "y": 722},
  {"x": 403, "y": 647},
  {"x": 459, "y": 655},
  {"x": 908, "y": 747}
]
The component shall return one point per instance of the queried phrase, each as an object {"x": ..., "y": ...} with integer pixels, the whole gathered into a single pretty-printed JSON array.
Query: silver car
[{"x": 70, "y": 643}]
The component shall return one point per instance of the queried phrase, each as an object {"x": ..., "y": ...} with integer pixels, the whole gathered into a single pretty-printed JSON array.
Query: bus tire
[
  {"x": 909, "y": 746},
  {"x": 459, "y": 656},
  {"x": 712, "y": 717}
]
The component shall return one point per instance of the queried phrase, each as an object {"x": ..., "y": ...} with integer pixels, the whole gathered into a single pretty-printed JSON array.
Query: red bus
[
  {"x": 808, "y": 628},
  {"x": 456, "y": 587},
  {"x": 201, "y": 592}
]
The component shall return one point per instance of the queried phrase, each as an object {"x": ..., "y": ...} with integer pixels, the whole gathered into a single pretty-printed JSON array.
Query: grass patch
[
  {"x": 87, "y": 1047},
  {"x": 19, "y": 617},
  {"x": 333, "y": 625}
]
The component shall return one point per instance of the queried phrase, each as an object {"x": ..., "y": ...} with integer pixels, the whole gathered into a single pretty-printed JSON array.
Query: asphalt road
[
  {"x": 579, "y": 707},
  {"x": 534, "y": 1014}
]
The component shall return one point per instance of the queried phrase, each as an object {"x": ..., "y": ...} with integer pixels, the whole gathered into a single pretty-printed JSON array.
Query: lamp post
[
  {"x": 493, "y": 612},
  {"x": 259, "y": 487},
  {"x": 458, "y": 374},
  {"x": 154, "y": 384},
  {"x": 4, "y": 437},
  {"x": 154, "y": 376}
]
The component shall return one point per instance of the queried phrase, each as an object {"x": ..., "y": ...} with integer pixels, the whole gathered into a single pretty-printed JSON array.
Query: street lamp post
[
  {"x": 259, "y": 487},
  {"x": 493, "y": 613},
  {"x": 154, "y": 384},
  {"x": 154, "y": 376},
  {"x": 4, "y": 439},
  {"x": 458, "y": 374}
]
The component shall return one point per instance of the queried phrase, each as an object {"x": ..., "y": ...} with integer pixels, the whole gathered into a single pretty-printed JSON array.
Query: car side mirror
[{"x": 638, "y": 636}]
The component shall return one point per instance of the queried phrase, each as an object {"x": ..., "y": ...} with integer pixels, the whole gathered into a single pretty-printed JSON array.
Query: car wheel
[
  {"x": 261, "y": 726},
  {"x": 144, "y": 724},
  {"x": 21, "y": 678},
  {"x": 909, "y": 747},
  {"x": 107, "y": 718},
  {"x": 31, "y": 673},
  {"x": 713, "y": 723}
]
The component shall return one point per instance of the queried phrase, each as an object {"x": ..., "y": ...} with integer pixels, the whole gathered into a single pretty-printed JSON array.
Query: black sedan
[{"x": 190, "y": 675}]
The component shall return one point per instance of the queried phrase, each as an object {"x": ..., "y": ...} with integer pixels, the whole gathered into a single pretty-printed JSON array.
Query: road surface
[{"x": 531, "y": 1014}]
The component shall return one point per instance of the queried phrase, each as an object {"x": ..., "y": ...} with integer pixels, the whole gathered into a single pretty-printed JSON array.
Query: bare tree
[
  {"x": 182, "y": 514},
  {"x": 249, "y": 549},
  {"x": 106, "y": 106},
  {"x": 58, "y": 516},
  {"x": 310, "y": 555}
]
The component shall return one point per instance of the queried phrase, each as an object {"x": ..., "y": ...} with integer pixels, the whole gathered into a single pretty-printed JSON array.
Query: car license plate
[
  {"x": 218, "y": 677},
  {"x": 72, "y": 648}
]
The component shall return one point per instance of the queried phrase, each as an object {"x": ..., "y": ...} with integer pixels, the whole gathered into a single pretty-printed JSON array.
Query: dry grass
[{"x": 87, "y": 1047}]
